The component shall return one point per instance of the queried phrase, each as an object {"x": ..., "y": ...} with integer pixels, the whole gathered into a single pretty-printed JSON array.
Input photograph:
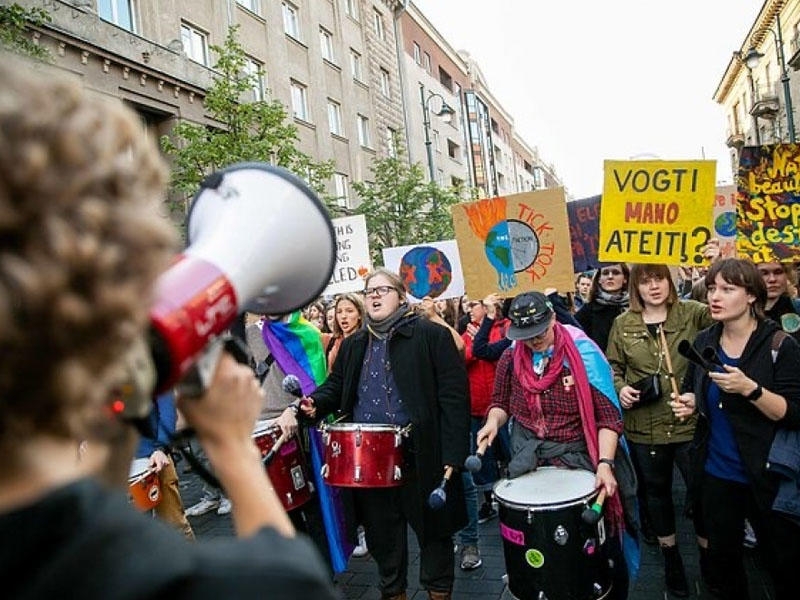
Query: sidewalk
[{"x": 485, "y": 582}]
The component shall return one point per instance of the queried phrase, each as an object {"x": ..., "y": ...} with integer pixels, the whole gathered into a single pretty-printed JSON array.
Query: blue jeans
[
  {"x": 469, "y": 535},
  {"x": 499, "y": 450}
]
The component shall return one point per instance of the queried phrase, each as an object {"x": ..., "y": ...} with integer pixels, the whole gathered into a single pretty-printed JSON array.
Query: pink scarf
[{"x": 564, "y": 349}]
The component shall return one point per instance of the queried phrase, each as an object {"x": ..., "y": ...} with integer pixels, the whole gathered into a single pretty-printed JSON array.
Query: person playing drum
[
  {"x": 559, "y": 416},
  {"x": 403, "y": 369}
]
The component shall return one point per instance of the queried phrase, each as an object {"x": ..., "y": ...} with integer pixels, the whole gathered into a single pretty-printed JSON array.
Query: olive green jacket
[{"x": 635, "y": 354}]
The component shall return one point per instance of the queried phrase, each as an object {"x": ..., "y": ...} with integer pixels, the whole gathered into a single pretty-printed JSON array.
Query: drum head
[
  {"x": 546, "y": 487},
  {"x": 138, "y": 466}
]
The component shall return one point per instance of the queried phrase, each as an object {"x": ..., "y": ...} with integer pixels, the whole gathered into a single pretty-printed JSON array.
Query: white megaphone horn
[{"x": 259, "y": 240}]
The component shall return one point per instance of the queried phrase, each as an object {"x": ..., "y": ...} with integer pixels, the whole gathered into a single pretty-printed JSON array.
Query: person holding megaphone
[{"x": 81, "y": 248}]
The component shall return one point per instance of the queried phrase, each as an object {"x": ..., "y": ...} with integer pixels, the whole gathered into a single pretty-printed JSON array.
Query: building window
[
  {"x": 426, "y": 61},
  {"x": 255, "y": 70},
  {"x": 355, "y": 64},
  {"x": 440, "y": 177},
  {"x": 334, "y": 117},
  {"x": 291, "y": 20},
  {"x": 363, "y": 130},
  {"x": 118, "y": 12},
  {"x": 377, "y": 19},
  {"x": 435, "y": 139},
  {"x": 351, "y": 8},
  {"x": 417, "y": 54},
  {"x": 453, "y": 151},
  {"x": 391, "y": 142},
  {"x": 342, "y": 196},
  {"x": 195, "y": 44},
  {"x": 299, "y": 101},
  {"x": 445, "y": 79},
  {"x": 326, "y": 44},
  {"x": 386, "y": 85},
  {"x": 251, "y": 5}
]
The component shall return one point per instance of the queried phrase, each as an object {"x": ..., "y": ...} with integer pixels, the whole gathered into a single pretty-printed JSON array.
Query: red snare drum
[
  {"x": 144, "y": 485},
  {"x": 363, "y": 456},
  {"x": 287, "y": 471}
]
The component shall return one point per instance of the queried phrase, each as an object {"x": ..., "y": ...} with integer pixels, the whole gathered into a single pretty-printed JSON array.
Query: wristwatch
[
  {"x": 607, "y": 461},
  {"x": 755, "y": 394}
]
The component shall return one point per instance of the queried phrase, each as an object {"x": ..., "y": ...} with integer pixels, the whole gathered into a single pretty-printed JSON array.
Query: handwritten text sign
[
  {"x": 656, "y": 211},
  {"x": 352, "y": 255},
  {"x": 584, "y": 232},
  {"x": 514, "y": 244},
  {"x": 724, "y": 225},
  {"x": 768, "y": 209}
]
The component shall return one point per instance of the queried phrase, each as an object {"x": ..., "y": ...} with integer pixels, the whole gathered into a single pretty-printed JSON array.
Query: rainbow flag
[{"x": 297, "y": 348}]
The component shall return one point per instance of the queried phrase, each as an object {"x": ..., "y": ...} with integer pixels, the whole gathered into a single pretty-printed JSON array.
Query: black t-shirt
[{"x": 84, "y": 541}]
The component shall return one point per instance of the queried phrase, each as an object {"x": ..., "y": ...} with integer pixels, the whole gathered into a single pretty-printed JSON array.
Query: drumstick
[
  {"x": 592, "y": 514},
  {"x": 438, "y": 497},
  {"x": 274, "y": 450},
  {"x": 473, "y": 463},
  {"x": 668, "y": 359}
]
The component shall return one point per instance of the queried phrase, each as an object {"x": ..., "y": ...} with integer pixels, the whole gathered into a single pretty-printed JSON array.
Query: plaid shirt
[{"x": 559, "y": 404}]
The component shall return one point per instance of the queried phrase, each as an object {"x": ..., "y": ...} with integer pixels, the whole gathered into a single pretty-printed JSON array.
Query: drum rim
[
  {"x": 545, "y": 506},
  {"x": 374, "y": 427}
]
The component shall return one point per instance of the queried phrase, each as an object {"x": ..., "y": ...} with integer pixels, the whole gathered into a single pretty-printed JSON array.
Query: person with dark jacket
[
  {"x": 84, "y": 240},
  {"x": 486, "y": 340},
  {"x": 741, "y": 406},
  {"x": 403, "y": 369},
  {"x": 608, "y": 299},
  {"x": 779, "y": 306}
]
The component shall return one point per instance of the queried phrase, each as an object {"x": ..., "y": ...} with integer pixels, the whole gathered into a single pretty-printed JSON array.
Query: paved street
[{"x": 360, "y": 580}]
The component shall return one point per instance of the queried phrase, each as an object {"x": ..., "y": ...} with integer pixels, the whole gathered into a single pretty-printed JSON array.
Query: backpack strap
[{"x": 777, "y": 340}]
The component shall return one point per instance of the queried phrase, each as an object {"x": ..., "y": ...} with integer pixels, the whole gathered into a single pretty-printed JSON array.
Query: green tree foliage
[
  {"x": 247, "y": 131},
  {"x": 402, "y": 208},
  {"x": 15, "y": 22}
]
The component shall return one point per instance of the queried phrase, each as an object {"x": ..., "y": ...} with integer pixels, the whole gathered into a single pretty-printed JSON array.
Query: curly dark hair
[{"x": 81, "y": 243}]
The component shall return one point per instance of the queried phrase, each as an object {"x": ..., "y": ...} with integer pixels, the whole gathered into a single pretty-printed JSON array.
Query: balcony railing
[{"x": 766, "y": 104}]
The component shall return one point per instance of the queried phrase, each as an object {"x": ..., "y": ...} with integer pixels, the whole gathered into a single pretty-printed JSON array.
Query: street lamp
[
  {"x": 751, "y": 60},
  {"x": 445, "y": 111}
]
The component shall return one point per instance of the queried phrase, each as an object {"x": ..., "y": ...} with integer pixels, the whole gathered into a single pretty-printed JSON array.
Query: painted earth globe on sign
[
  {"x": 725, "y": 224},
  {"x": 426, "y": 271}
]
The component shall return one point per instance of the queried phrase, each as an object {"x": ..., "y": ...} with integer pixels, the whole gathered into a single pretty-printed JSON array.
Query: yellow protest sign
[
  {"x": 514, "y": 244},
  {"x": 656, "y": 211},
  {"x": 768, "y": 210}
]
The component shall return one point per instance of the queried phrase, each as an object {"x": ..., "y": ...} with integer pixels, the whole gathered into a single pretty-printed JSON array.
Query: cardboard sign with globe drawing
[
  {"x": 432, "y": 269},
  {"x": 513, "y": 244}
]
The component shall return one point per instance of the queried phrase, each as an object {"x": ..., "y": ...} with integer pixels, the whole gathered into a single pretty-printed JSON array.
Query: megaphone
[{"x": 259, "y": 240}]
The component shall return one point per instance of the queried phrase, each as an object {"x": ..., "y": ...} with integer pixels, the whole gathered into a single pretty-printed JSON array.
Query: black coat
[
  {"x": 596, "y": 320},
  {"x": 431, "y": 377},
  {"x": 752, "y": 430}
]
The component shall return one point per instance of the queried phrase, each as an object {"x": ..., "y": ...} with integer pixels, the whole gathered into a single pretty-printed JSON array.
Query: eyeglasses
[
  {"x": 610, "y": 272},
  {"x": 380, "y": 290}
]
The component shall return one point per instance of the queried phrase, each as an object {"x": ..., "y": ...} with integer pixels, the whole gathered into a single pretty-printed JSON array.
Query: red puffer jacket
[{"x": 480, "y": 371}]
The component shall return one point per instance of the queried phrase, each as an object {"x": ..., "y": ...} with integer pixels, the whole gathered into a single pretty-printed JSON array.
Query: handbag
[{"x": 649, "y": 390}]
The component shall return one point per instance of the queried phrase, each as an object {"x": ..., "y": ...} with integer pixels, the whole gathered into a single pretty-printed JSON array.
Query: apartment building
[
  {"x": 758, "y": 89},
  {"x": 477, "y": 143},
  {"x": 353, "y": 74}
]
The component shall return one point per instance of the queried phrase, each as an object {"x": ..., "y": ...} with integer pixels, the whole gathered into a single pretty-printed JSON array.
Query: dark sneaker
[
  {"x": 486, "y": 513},
  {"x": 470, "y": 558}
]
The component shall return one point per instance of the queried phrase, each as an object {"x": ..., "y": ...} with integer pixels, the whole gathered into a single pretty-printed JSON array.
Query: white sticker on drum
[
  {"x": 601, "y": 530},
  {"x": 297, "y": 477},
  {"x": 336, "y": 449}
]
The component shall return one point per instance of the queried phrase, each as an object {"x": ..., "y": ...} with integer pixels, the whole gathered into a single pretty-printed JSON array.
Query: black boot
[
  {"x": 706, "y": 573},
  {"x": 674, "y": 575}
]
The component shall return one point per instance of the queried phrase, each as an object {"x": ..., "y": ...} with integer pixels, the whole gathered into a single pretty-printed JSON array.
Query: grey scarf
[
  {"x": 382, "y": 328},
  {"x": 616, "y": 299}
]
